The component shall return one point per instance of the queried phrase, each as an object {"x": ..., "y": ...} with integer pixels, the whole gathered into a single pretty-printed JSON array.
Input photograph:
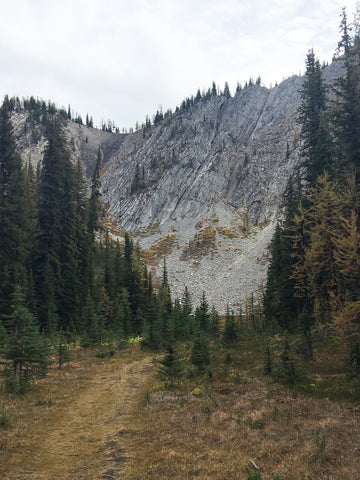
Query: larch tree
[{"x": 322, "y": 272}]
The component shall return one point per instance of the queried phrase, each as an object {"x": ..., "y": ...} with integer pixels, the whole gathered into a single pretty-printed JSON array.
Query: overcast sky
[{"x": 122, "y": 59}]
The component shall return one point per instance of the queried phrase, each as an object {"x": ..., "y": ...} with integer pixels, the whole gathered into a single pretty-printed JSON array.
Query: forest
[{"x": 65, "y": 284}]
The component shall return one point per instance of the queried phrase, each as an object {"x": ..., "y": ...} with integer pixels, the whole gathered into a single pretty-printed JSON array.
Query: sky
[{"x": 120, "y": 60}]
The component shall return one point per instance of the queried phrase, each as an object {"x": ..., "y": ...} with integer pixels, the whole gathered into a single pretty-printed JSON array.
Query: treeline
[
  {"x": 62, "y": 277},
  {"x": 188, "y": 102},
  {"x": 41, "y": 113},
  {"x": 314, "y": 275}
]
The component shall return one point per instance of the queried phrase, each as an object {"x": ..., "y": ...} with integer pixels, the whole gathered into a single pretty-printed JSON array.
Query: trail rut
[{"x": 88, "y": 437}]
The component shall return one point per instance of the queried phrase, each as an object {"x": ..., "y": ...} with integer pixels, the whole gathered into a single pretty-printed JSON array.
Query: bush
[
  {"x": 5, "y": 417},
  {"x": 14, "y": 383},
  {"x": 287, "y": 371},
  {"x": 254, "y": 475}
]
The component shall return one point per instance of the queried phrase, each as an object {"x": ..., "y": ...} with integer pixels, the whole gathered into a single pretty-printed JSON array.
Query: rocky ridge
[{"x": 203, "y": 187}]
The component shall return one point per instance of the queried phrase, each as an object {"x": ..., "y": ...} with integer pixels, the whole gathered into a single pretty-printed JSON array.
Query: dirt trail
[{"x": 88, "y": 437}]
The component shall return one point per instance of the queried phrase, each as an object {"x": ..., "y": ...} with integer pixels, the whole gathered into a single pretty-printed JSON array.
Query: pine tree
[
  {"x": 214, "y": 325},
  {"x": 279, "y": 291}
]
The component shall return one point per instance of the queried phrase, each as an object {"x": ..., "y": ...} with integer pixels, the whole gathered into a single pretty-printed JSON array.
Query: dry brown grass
[
  {"x": 69, "y": 426},
  {"x": 242, "y": 417},
  {"x": 114, "y": 419}
]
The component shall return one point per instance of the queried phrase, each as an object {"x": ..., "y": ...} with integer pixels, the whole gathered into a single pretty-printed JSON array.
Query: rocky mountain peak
[{"x": 203, "y": 187}]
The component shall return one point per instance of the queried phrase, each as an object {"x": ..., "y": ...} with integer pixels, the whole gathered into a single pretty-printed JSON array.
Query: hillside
[{"x": 203, "y": 187}]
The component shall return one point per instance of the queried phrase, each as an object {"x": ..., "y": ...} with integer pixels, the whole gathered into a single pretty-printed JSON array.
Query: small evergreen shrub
[
  {"x": 253, "y": 475},
  {"x": 319, "y": 442},
  {"x": 268, "y": 360},
  {"x": 5, "y": 417}
]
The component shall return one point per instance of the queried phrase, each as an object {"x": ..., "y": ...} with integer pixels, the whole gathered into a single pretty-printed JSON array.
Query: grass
[
  {"x": 211, "y": 426},
  {"x": 241, "y": 417}
]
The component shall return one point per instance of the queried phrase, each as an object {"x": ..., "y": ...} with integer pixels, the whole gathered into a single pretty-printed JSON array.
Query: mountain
[{"x": 203, "y": 187}]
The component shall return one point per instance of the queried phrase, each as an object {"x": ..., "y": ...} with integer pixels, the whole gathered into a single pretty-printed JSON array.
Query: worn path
[{"x": 87, "y": 439}]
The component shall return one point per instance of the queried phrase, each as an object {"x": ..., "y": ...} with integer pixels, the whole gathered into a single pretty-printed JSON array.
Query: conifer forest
[{"x": 208, "y": 385}]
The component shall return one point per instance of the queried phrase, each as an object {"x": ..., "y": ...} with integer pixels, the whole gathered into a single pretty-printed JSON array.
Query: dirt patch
[{"x": 79, "y": 439}]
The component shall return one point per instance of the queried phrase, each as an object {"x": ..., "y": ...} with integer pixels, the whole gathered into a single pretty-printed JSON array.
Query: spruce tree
[
  {"x": 230, "y": 331},
  {"x": 186, "y": 305},
  {"x": 14, "y": 217},
  {"x": 168, "y": 369},
  {"x": 200, "y": 356},
  {"x": 202, "y": 315},
  {"x": 27, "y": 349},
  {"x": 95, "y": 198},
  {"x": 346, "y": 111},
  {"x": 57, "y": 254},
  {"x": 316, "y": 140}
]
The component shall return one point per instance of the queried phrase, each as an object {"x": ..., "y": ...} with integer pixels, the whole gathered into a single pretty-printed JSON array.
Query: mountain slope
[{"x": 203, "y": 187}]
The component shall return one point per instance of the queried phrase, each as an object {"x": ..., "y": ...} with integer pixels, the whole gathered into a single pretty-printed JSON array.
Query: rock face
[
  {"x": 203, "y": 187},
  {"x": 212, "y": 177}
]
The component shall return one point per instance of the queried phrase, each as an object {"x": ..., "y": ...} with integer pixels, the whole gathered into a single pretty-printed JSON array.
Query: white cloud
[{"x": 120, "y": 59}]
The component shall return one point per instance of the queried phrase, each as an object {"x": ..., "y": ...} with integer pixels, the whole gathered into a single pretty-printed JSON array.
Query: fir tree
[
  {"x": 14, "y": 215},
  {"x": 95, "y": 198},
  {"x": 227, "y": 93},
  {"x": 57, "y": 256},
  {"x": 230, "y": 331},
  {"x": 316, "y": 143},
  {"x": 168, "y": 369},
  {"x": 346, "y": 111},
  {"x": 200, "y": 356},
  {"x": 27, "y": 349},
  {"x": 202, "y": 315}
]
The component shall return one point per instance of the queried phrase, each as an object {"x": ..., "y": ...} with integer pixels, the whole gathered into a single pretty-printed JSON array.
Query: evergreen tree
[
  {"x": 168, "y": 369},
  {"x": 213, "y": 90},
  {"x": 227, "y": 93},
  {"x": 316, "y": 143},
  {"x": 186, "y": 305},
  {"x": 214, "y": 325},
  {"x": 202, "y": 315},
  {"x": 230, "y": 331},
  {"x": 57, "y": 251},
  {"x": 95, "y": 198},
  {"x": 346, "y": 111},
  {"x": 200, "y": 356},
  {"x": 279, "y": 298},
  {"x": 14, "y": 215},
  {"x": 27, "y": 349}
]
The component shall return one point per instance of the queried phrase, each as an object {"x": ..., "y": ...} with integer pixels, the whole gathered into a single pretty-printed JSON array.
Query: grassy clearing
[
  {"x": 209, "y": 426},
  {"x": 213, "y": 427},
  {"x": 67, "y": 426}
]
